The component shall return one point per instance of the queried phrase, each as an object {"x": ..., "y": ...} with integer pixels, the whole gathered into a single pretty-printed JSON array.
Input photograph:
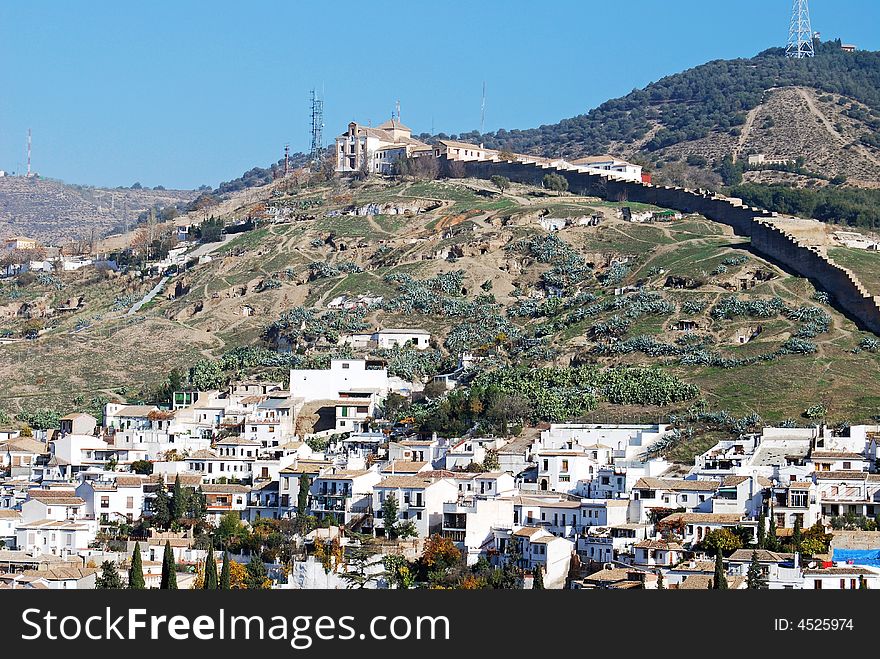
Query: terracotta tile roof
[
  {"x": 732, "y": 481},
  {"x": 404, "y": 467},
  {"x": 406, "y": 482},
  {"x": 658, "y": 544},
  {"x": 528, "y": 531},
  {"x": 701, "y": 582},
  {"x": 836, "y": 455},
  {"x": 676, "y": 484},
  {"x": 705, "y": 518},
  {"x": 841, "y": 475}
]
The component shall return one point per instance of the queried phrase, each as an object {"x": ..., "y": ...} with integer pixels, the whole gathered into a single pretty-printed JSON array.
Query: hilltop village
[
  {"x": 331, "y": 476},
  {"x": 221, "y": 476}
]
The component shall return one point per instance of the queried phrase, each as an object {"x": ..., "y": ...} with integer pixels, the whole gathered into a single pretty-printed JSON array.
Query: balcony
[{"x": 453, "y": 534}]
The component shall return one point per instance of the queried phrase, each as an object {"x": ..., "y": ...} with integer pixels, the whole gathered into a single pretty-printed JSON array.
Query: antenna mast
[
  {"x": 483, "y": 109},
  {"x": 286, "y": 159},
  {"x": 29, "y": 154},
  {"x": 317, "y": 149},
  {"x": 397, "y": 107},
  {"x": 800, "y": 34}
]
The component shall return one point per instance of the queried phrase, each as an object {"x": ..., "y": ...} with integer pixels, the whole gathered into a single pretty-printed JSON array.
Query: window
[
  {"x": 105, "y": 502},
  {"x": 847, "y": 465},
  {"x": 565, "y": 465},
  {"x": 363, "y": 409},
  {"x": 817, "y": 584},
  {"x": 129, "y": 502},
  {"x": 345, "y": 366}
]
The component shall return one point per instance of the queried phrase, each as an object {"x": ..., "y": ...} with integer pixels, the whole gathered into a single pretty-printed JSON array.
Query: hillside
[
  {"x": 825, "y": 109},
  {"x": 479, "y": 271},
  {"x": 56, "y": 213}
]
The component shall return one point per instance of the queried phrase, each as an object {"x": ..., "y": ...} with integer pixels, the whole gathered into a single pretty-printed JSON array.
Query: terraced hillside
[{"x": 479, "y": 270}]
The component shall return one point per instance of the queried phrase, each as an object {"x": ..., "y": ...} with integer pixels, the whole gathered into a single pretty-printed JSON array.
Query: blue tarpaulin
[{"x": 857, "y": 556}]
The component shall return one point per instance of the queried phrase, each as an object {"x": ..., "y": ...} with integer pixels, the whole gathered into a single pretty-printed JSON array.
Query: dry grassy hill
[
  {"x": 686, "y": 295},
  {"x": 56, "y": 213}
]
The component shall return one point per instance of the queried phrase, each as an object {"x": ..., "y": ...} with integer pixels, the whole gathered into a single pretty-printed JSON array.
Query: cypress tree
[
  {"x": 796, "y": 535},
  {"x": 169, "y": 572},
  {"x": 762, "y": 531},
  {"x": 210, "y": 570},
  {"x": 302, "y": 502},
  {"x": 661, "y": 585},
  {"x": 720, "y": 577},
  {"x": 136, "y": 571},
  {"x": 538, "y": 582},
  {"x": 224, "y": 573},
  {"x": 178, "y": 500},
  {"x": 771, "y": 542}
]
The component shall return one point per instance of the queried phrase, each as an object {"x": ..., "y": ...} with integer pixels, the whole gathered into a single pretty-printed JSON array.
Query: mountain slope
[
  {"x": 730, "y": 107},
  {"x": 56, "y": 213},
  {"x": 473, "y": 267}
]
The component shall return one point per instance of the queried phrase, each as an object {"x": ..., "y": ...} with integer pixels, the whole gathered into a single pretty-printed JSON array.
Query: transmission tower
[
  {"x": 316, "y": 154},
  {"x": 800, "y": 34}
]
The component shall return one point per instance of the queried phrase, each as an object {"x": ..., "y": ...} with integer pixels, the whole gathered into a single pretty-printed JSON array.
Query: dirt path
[
  {"x": 829, "y": 126},
  {"x": 746, "y": 131}
]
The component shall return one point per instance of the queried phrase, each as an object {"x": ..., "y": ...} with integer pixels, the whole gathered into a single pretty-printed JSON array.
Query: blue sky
[{"x": 182, "y": 93}]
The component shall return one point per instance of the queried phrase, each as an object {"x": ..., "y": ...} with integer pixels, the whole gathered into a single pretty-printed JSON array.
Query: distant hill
[
  {"x": 57, "y": 213},
  {"x": 826, "y": 109}
]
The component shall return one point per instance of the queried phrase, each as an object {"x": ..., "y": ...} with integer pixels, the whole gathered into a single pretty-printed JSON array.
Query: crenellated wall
[{"x": 767, "y": 239}]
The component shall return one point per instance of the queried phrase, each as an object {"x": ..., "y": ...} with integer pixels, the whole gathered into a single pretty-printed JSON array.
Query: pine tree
[
  {"x": 762, "y": 531},
  {"x": 169, "y": 570},
  {"x": 257, "y": 577},
  {"x": 224, "y": 573},
  {"x": 755, "y": 576},
  {"x": 109, "y": 577},
  {"x": 720, "y": 577},
  {"x": 136, "y": 571},
  {"x": 178, "y": 500},
  {"x": 210, "y": 570},
  {"x": 538, "y": 581}
]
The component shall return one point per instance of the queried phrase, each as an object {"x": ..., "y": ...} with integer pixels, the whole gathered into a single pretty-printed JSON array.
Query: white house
[
  {"x": 610, "y": 166},
  {"x": 121, "y": 499},
  {"x": 343, "y": 375},
  {"x": 470, "y": 523},
  {"x": 343, "y": 493},
  {"x": 374, "y": 149},
  {"x": 388, "y": 338},
  {"x": 420, "y": 500},
  {"x": 540, "y": 548}
]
